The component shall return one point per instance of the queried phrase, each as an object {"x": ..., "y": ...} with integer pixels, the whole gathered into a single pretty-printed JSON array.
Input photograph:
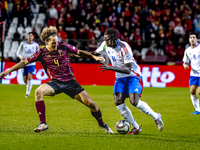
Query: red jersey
[{"x": 56, "y": 63}]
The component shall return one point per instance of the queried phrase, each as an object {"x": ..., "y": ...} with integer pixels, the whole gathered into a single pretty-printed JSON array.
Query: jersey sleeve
[
  {"x": 19, "y": 50},
  {"x": 37, "y": 56},
  {"x": 70, "y": 48},
  {"x": 185, "y": 57},
  {"x": 127, "y": 53},
  {"x": 101, "y": 47}
]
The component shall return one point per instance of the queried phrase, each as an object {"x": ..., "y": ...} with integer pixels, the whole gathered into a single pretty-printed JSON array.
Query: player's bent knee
[
  {"x": 118, "y": 102},
  {"x": 133, "y": 102},
  {"x": 92, "y": 106},
  {"x": 38, "y": 93},
  {"x": 193, "y": 92}
]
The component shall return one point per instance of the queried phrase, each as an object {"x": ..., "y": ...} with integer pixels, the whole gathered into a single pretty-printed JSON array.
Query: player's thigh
[
  {"x": 135, "y": 85},
  {"x": 193, "y": 83},
  {"x": 120, "y": 86},
  {"x": 119, "y": 98},
  {"x": 85, "y": 98},
  {"x": 25, "y": 73},
  {"x": 44, "y": 90},
  {"x": 198, "y": 90},
  {"x": 193, "y": 89},
  {"x": 30, "y": 76},
  {"x": 134, "y": 98},
  {"x": 25, "y": 79}
]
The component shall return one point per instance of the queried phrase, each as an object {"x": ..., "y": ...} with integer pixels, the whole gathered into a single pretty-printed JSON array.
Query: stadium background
[
  {"x": 149, "y": 27},
  {"x": 156, "y": 30}
]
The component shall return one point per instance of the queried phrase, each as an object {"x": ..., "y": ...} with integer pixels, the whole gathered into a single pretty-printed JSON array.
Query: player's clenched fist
[{"x": 3, "y": 74}]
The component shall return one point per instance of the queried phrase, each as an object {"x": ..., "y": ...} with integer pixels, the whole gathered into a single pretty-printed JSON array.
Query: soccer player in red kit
[{"x": 54, "y": 58}]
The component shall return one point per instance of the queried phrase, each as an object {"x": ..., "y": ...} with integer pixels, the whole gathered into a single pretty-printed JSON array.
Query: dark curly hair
[{"x": 112, "y": 32}]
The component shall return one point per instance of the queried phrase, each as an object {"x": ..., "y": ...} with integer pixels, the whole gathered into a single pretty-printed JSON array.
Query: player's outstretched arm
[
  {"x": 85, "y": 54},
  {"x": 15, "y": 67},
  {"x": 126, "y": 69}
]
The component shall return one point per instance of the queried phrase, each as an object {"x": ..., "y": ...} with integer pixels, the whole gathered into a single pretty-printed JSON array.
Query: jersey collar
[{"x": 27, "y": 42}]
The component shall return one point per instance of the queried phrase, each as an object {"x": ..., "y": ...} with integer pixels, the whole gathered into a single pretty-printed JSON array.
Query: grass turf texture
[{"x": 71, "y": 126}]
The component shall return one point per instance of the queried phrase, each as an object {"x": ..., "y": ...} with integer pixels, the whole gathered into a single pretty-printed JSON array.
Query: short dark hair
[
  {"x": 30, "y": 33},
  {"x": 191, "y": 33},
  {"x": 112, "y": 32}
]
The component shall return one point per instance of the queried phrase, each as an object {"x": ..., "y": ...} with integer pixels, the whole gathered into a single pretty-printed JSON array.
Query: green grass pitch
[{"x": 71, "y": 126}]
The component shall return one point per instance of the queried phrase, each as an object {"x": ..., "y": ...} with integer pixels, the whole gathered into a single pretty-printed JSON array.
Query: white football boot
[
  {"x": 41, "y": 127},
  {"x": 106, "y": 129}
]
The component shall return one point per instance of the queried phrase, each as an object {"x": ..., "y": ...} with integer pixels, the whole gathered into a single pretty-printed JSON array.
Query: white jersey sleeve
[
  {"x": 185, "y": 57},
  {"x": 192, "y": 57},
  {"x": 101, "y": 47},
  {"x": 20, "y": 50}
]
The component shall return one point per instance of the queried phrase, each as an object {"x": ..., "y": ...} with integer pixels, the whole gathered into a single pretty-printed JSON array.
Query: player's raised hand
[{"x": 104, "y": 67}]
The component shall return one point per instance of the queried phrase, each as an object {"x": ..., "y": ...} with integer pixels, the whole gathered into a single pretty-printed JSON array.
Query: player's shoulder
[
  {"x": 63, "y": 44},
  {"x": 23, "y": 43},
  {"x": 198, "y": 45},
  {"x": 42, "y": 50},
  {"x": 103, "y": 44},
  {"x": 123, "y": 44},
  {"x": 188, "y": 49},
  {"x": 35, "y": 43}
]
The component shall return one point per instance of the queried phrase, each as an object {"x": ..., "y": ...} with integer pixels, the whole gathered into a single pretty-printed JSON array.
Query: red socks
[
  {"x": 40, "y": 107},
  {"x": 98, "y": 117}
]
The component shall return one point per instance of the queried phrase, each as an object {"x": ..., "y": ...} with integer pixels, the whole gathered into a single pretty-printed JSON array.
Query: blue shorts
[
  {"x": 194, "y": 81},
  {"x": 129, "y": 85},
  {"x": 28, "y": 69}
]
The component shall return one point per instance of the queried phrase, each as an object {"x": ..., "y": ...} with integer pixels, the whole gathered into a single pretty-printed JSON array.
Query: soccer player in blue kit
[
  {"x": 129, "y": 82},
  {"x": 54, "y": 58}
]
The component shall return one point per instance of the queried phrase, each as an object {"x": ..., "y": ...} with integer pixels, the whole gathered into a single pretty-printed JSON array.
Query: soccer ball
[{"x": 123, "y": 127}]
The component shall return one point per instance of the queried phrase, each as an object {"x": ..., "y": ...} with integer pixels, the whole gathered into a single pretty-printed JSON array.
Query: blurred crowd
[{"x": 161, "y": 26}]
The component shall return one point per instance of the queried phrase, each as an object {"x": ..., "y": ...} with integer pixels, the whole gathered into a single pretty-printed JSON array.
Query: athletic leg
[
  {"x": 145, "y": 108},
  {"x": 194, "y": 99},
  {"x": 124, "y": 110},
  {"x": 194, "y": 83},
  {"x": 120, "y": 94},
  {"x": 25, "y": 78},
  {"x": 29, "y": 84},
  {"x": 85, "y": 98},
  {"x": 43, "y": 90}
]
